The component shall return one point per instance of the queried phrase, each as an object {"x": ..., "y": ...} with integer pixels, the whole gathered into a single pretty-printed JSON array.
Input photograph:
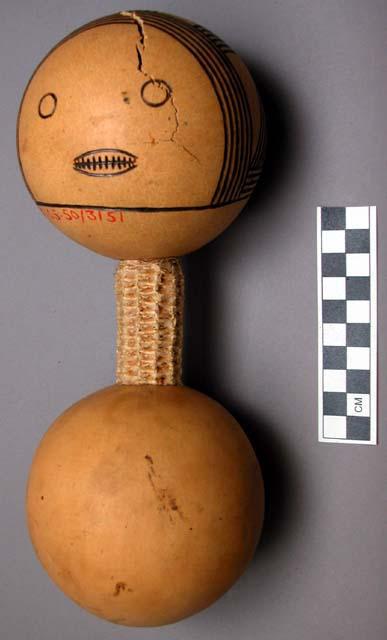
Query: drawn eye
[
  {"x": 155, "y": 93},
  {"x": 47, "y": 105}
]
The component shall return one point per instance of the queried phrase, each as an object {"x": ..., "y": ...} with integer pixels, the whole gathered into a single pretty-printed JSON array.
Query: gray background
[{"x": 251, "y": 334}]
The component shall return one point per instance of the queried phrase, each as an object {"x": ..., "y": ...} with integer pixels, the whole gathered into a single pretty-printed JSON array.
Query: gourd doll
[{"x": 141, "y": 137}]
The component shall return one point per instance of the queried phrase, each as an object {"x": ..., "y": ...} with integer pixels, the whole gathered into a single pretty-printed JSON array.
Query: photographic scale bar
[{"x": 347, "y": 324}]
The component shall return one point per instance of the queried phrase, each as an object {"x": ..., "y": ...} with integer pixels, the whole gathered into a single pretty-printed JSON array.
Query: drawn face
[
  {"x": 89, "y": 114},
  {"x": 134, "y": 114}
]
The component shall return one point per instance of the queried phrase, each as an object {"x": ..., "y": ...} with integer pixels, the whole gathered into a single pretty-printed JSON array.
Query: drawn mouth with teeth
[{"x": 105, "y": 163}]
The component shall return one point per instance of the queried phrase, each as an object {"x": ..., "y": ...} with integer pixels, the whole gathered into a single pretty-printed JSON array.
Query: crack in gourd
[{"x": 140, "y": 50}]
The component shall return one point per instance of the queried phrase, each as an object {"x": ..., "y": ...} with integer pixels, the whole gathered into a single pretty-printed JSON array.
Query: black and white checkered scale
[{"x": 345, "y": 314}]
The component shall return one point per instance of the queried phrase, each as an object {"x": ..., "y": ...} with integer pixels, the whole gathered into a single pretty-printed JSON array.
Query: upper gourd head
[{"x": 141, "y": 135}]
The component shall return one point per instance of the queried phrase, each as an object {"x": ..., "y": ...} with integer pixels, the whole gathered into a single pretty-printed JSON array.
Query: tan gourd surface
[
  {"x": 141, "y": 136},
  {"x": 145, "y": 503}
]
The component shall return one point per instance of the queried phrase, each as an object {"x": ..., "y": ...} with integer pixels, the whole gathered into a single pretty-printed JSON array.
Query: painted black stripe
[
  {"x": 243, "y": 103},
  {"x": 255, "y": 168},
  {"x": 250, "y": 185},
  {"x": 189, "y": 27},
  {"x": 248, "y": 133},
  {"x": 247, "y": 194},
  {"x": 257, "y": 158},
  {"x": 215, "y": 39},
  {"x": 222, "y": 62},
  {"x": 154, "y": 18},
  {"x": 257, "y": 162},
  {"x": 253, "y": 176},
  {"x": 206, "y": 65},
  {"x": 261, "y": 149},
  {"x": 243, "y": 142},
  {"x": 252, "y": 182},
  {"x": 252, "y": 179},
  {"x": 209, "y": 65},
  {"x": 97, "y": 207},
  {"x": 241, "y": 107}
]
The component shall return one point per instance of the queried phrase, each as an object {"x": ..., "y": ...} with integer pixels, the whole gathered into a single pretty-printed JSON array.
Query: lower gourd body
[{"x": 145, "y": 503}]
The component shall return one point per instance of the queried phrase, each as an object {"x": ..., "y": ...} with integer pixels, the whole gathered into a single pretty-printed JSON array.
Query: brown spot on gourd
[
  {"x": 118, "y": 543},
  {"x": 173, "y": 505},
  {"x": 125, "y": 97},
  {"x": 166, "y": 501},
  {"x": 120, "y": 586}
]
